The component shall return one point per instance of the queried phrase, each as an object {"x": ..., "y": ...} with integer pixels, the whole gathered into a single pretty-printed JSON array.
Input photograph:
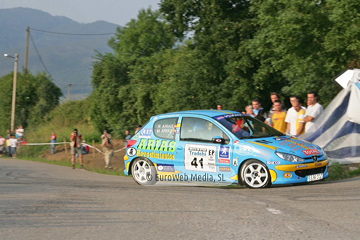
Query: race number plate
[{"x": 315, "y": 177}]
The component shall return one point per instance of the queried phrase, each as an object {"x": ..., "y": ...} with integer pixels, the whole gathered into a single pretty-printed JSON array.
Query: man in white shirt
[
  {"x": 313, "y": 110},
  {"x": 295, "y": 117}
]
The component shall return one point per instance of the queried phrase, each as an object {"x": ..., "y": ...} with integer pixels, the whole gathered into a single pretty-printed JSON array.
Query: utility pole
[
  {"x": 14, "y": 92},
  {"x": 26, "y": 60},
  {"x": 68, "y": 93}
]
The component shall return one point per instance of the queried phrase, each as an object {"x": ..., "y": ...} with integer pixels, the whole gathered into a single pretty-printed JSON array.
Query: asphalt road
[{"x": 43, "y": 201}]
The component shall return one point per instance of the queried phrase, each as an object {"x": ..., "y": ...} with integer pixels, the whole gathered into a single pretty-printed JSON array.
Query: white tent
[{"x": 337, "y": 129}]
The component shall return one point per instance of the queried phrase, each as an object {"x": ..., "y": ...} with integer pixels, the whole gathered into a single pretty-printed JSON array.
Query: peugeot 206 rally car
[{"x": 219, "y": 146}]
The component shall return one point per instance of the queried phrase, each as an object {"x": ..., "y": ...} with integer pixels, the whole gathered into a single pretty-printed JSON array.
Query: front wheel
[
  {"x": 255, "y": 174},
  {"x": 143, "y": 172}
]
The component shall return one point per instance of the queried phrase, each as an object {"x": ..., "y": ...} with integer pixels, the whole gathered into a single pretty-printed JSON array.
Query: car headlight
[{"x": 289, "y": 157}]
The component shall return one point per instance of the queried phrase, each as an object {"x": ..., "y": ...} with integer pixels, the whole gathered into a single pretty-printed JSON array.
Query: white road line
[{"x": 274, "y": 211}]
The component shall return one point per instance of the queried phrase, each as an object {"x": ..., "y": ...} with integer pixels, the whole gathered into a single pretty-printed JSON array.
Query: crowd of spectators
[{"x": 294, "y": 121}]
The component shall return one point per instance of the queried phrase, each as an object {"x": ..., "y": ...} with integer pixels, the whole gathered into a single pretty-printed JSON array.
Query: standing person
[
  {"x": 2, "y": 147},
  {"x": 249, "y": 111},
  {"x": 52, "y": 140},
  {"x": 7, "y": 146},
  {"x": 108, "y": 149},
  {"x": 313, "y": 110},
  {"x": 75, "y": 144},
  {"x": 273, "y": 97},
  {"x": 278, "y": 117},
  {"x": 20, "y": 132},
  {"x": 295, "y": 117},
  {"x": 256, "y": 106},
  {"x": 219, "y": 107},
  {"x": 8, "y": 133},
  {"x": 12, "y": 146},
  {"x": 127, "y": 137},
  {"x": 258, "y": 110}
]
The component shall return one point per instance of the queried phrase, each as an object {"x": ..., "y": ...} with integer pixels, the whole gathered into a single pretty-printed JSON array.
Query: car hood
[{"x": 289, "y": 145}]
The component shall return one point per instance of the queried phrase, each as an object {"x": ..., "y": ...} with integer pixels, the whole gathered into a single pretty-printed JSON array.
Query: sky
[{"x": 86, "y": 11}]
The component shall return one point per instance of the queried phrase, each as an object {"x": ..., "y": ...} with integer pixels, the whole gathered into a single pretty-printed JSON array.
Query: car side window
[
  {"x": 197, "y": 129},
  {"x": 165, "y": 128}
]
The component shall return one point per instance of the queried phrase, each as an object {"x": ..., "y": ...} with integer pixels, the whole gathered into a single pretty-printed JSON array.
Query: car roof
[{"x": 209, "y": 113}]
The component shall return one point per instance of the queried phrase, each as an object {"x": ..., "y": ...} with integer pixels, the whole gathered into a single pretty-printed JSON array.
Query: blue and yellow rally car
[{"x": 220, "y": 147}]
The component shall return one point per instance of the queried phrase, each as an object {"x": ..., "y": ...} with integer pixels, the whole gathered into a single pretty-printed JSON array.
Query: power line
[
  {"x": 37, "y": 52},
  {"x": 72, "y": 33}
]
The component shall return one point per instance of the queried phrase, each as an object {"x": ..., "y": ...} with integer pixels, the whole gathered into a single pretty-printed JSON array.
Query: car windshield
[{"x": 247, "y": 127}]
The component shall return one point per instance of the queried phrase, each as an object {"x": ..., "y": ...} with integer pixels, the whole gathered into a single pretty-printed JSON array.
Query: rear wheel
[
  {"x": 143, "y": 172},
  {"x": 255, "y": 174}
]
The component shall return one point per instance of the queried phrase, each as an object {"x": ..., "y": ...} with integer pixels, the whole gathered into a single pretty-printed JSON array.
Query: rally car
[{"x": 219, "y": 146}]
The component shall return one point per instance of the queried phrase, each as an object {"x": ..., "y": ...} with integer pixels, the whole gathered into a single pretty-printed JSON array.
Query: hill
[{"x": 66, "y": 57}]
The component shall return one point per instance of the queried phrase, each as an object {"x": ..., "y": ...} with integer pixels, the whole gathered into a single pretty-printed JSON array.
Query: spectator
[
  {"x": 295, "y": 117},
  {"x": 127, "y": 138},
  {"x": 313, "y": 110},
  {"x": 12, "y": 146},
  {"x": 278, "y": 117},
  {"x": 20, "y": 133},
  {"x": 108, "y": 149},
  {"x": 2, "y": 147},
  {"x": 52, "y": 140},
  {"x": 138, "y": 128},
  {"x": 273, "y": 97},
  {"x": 8, "y": 132},
  {"x": 258, "y": 110},
  {"x": 249, "y": 111},
  {"x": 7, "y": 146},
  {"x": 75, "y": 144},
  {"x": 219, "y": 107}
]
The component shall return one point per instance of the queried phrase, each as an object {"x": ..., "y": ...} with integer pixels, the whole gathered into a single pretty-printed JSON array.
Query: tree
[{"x": 36, "y": 96}]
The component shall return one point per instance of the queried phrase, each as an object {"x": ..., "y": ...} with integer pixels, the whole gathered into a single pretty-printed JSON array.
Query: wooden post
[
  {"x": 93, "y": 149},
  {"x": 65, "y": 147}
]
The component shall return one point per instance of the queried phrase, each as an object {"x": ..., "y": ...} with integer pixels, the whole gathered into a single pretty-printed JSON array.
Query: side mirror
[{"x": 217, "y": 139}]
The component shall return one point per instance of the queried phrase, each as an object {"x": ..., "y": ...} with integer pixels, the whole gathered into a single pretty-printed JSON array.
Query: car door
[{"x": 197, "y": 152}]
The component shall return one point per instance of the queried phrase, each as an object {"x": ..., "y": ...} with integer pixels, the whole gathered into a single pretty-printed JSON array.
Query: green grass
[{"x": 338, "y": 171}]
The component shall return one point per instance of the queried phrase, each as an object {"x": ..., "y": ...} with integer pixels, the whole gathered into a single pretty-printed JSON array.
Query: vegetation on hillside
[
  {"x": 196, "y": 54},
  {"x": 36, "y": 96}
]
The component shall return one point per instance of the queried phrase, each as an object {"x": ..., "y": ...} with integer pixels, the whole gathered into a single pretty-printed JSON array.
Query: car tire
[
  {"x": 143, "y": 171},
  {"x": 255, "y": 174}
]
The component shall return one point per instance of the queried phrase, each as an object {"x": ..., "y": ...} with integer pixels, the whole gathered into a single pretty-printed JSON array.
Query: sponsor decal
[
  {"x": 280, "y": 139},
  {"x": 200, "y": 157},
  {"x": 287, "y": 175},
  {"x": 272, "y": 162},
  {"x": 131, "y": 151},
  {"x": 219, "y": 118},
  {"x": 301, "y": 166},
  {"x": 224, "y": 152},
  {"x": 224, "y": 169},
  {"x": 157, "y": 145},
  {"x": 233, "y": 115},
  {"x": 222, "y": 160},
  {"x": 236, "y": 141},
  {"x": 245, "y": 149},
  {"x": 145, "y": 132},
  {"x": 153, "y": 154},
  {"x": 263, "y": 141},
  {"x": 310, "y": 152},
  {"x": 235, "y": 162},
  {"x": 165, "y": 168}
]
